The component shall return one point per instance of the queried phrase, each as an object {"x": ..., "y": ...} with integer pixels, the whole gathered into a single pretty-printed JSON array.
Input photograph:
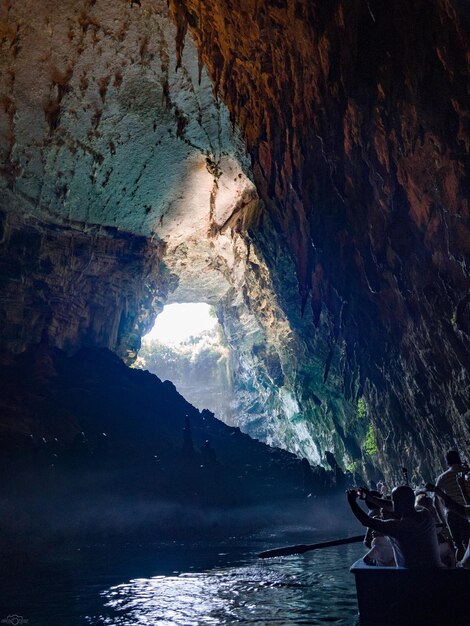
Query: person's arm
[
  {"x": 381, "y": 503},
  {"x": 463, "y": 488},
  {"x": 438, "y": 503},
  {"x": 440, "y": 509},
  {"x": 381, "y": 526},
  {"x": 368, "y": 538},
  {"x": 452, "y": 505}
]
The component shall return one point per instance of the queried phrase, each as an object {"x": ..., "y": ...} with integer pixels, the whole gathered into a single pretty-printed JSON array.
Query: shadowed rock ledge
[{"x": 151, "y": 474}]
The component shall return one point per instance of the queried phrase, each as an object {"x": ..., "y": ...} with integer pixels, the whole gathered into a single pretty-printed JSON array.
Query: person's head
[
  {"x": 403, "y": 498},
  {"x": 453, "y": 458}
]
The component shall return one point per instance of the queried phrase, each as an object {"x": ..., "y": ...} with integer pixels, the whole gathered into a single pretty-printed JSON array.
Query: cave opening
[
  {"x": 179, "y": 322},
  {"x": 187, "y": 346}
]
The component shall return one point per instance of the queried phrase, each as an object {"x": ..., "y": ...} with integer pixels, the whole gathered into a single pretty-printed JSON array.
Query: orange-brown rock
[
  {"x": 343, "y": 293},
  {"x": 356, "y": 115}
]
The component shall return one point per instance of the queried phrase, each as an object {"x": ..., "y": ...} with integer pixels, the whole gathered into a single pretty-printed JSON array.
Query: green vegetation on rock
[
  {"x": 352, "y": 467},
  {"x": 370, "y": 445},
  {"x": 203, "y": 350},
  {"x": 361, "y": 409}
]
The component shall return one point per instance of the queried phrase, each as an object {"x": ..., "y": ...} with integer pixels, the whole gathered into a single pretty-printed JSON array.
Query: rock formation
[
  {"x": 125, "y": 186},
  {"x": 356, "y": 117},
  {"x": 300, "y": 165},
  {"x": 118, "y": 452}
]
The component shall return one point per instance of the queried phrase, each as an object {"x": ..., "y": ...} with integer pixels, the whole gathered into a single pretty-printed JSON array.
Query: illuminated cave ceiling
[
  {"x": 126, "y": 185},
  {"x": 100, "y": 130}
]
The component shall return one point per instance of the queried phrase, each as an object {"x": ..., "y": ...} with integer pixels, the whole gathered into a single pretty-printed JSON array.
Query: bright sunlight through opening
[
  {"x": 178, "y": 322},
  {"x": 187, "y": 346}
]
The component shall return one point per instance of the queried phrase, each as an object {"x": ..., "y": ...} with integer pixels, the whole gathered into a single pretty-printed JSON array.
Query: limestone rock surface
[
  {"x": 103, "y": 142},
  {"x": 124, "y": 186},
  {"x": 303, "y": 166},
  {"x": 356, "y": 117}
]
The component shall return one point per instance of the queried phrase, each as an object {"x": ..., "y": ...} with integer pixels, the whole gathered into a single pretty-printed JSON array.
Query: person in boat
[
  {"x": 373, "y": 510},
  {"x": 422, "y": 500},
  {"x": 381, "y": 551},
  {"x": 382, "y": 489},
  {"x": 411, "y": 532},
  {"x": 462, "y": 510},
  {"x": 447, "y": 482},
  {"x": 446, "y": 545}
]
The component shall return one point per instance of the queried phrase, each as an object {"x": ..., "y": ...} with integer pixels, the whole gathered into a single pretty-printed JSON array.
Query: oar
[{"x": 300, "y": 549}]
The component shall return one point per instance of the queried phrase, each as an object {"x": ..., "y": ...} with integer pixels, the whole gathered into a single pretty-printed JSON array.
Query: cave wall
[
  {"x": 115, "y": 170},
  {"x": 125, "y": 185},
  {"x": 68, "y": 289},
  {"x": 356, "y": 117},
  {"x": 308, "y": 178}
]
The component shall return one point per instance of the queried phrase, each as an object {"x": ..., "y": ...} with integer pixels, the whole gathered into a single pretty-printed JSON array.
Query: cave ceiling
[
  {"x": 126, "y": 186},
  {"x": 99, "y": 129},
  {"x": 301, "y": 165}
]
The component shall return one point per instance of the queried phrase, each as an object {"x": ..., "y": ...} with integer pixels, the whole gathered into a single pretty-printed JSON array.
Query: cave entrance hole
[
  {"x": 184, "y": 324},
  {"x": 186, "y": 346}
]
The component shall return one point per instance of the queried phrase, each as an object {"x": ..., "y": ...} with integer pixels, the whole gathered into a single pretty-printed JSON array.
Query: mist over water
[{"x": 44, "y": 518}]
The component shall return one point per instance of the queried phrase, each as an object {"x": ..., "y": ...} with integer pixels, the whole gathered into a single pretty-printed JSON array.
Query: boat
[{"x": 396, "y": 596}]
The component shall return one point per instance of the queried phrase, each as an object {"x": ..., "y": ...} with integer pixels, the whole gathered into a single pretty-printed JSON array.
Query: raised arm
[
  {"x": 381, "y": 526},
  {"x": 368, "y": 538},
  {"x": 381, "y": 503},
  {"x": 452, "y": 505}
]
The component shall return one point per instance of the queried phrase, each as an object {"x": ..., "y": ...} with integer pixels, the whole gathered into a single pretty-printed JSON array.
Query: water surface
[
  {"x": 313, "y": 589},
  {"x": 184, "y": 584}
]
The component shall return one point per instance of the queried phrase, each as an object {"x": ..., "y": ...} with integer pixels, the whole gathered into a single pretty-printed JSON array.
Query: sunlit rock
[
  {"x": 302, "y": 166},
  {"x": 356, "y": 120},
  {"x": 125, "y": 186}
]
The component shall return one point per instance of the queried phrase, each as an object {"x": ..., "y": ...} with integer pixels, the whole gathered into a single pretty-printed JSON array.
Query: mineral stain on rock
[
  {"x": 302, "y": 166},
  {"x": 354, "y": 116}
]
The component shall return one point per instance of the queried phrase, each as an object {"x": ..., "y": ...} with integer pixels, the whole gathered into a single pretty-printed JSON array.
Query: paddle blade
[
  {"x": 301, "y": 548},
  {"x": 286, "y": 551}
]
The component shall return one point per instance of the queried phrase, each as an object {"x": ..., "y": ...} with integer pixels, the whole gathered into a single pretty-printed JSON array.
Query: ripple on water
[{"x": 314, "y": 589}]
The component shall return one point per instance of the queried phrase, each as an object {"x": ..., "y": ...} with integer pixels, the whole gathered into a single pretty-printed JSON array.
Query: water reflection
[{"x": 314, "y": 589}]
